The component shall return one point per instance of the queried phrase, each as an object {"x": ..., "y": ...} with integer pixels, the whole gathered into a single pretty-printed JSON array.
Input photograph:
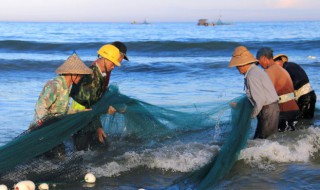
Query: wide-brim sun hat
[
  {"x": 74, "y": 65},
  {"x": 241, "y": 56},
  {"x": 283, "y": 57}
]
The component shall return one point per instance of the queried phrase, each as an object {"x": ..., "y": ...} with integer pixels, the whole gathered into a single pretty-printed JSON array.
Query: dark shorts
[
  {"x": 85, "y": 141},
  {"x": 288, "y": 120},
  {"x": 87, "y": 138},
  {"x": 307, "y": 104}
]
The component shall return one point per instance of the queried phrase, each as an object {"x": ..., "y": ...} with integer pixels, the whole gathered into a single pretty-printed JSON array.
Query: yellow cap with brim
[{"x": 110, "y": 52}]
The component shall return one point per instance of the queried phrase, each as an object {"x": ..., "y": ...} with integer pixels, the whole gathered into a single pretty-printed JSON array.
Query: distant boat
[
  {"x": 219, "y": 22},
  {"x": 204, "y": 22},
  {"x": 144, "y": 22}
]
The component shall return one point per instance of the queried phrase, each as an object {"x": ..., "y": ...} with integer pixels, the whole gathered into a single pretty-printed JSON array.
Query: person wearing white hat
[
  {"x": 260, "y": 92},
  {"x": 304, "y": 94}
]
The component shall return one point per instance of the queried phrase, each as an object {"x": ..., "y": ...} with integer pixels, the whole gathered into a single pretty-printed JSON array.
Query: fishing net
[
  {"x": 138, "y": 120},
  {"x": 17, "y": 154},
  {"x": 208, "y": 176}
]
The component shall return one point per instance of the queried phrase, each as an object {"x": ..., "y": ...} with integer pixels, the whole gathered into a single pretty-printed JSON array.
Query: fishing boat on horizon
[
  {"x": 219, "y": 22},
  {"x": 144, "y": 22}
]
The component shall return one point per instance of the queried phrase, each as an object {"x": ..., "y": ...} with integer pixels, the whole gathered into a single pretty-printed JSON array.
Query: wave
[
  {"x": 188, "y": 48},
  {"x": 176, "y": 158},
  {"x": 146, "y": 56},
  {"x": 28, "y": 65},
  {"x": 33, "y": 46},
  {"x": 262, "y": 153},
  {"x": 299, "y": 146},
  {"x": 143, "y": 64}
]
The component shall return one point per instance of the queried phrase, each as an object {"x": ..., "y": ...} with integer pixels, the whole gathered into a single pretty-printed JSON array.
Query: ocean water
[{"x": 173, "y": 65}]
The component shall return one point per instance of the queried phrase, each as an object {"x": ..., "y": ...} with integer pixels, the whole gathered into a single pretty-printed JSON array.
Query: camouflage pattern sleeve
[
  {"x": 81, "y": 92},
  {"x": 89, "y": 89},
  {"x": 46, "y": 99}
]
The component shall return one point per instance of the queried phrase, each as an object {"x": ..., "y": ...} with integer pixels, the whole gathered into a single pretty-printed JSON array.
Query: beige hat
[
  {"x": 241, "y": 56},
  {"x": 283, "y": 57},
  {"x": 74, "y": 65}
]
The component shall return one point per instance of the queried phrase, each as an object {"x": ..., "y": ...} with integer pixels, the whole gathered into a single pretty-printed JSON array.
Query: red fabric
[{"x": 107, "y": 80}]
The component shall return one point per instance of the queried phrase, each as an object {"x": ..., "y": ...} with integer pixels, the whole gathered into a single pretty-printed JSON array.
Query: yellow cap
[{"x": 111, "y": 53}]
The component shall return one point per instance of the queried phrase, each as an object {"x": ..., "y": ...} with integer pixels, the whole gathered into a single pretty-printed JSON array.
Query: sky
[{"x": 158, "y": 10}]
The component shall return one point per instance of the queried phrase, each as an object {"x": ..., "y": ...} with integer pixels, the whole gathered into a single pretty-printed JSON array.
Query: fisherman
[
  {"x": 54, "y": 98},
  {"x": 260, "y": 92},
  {"x": 90, "y": 90},
  {"x": 304, "y": 94},
  {"x": 289, "y": 110}
]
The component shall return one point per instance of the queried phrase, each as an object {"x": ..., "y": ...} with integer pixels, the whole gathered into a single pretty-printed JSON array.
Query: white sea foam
[
  {"x": 312, "y": 57},
  {"x": 178, "y": 157},
  {"x": 263, "y": 153}
]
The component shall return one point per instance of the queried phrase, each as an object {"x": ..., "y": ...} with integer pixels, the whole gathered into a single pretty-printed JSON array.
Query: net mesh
[
  {"x": 210, "y": 174},
  {"x": 139, "y": 120}
]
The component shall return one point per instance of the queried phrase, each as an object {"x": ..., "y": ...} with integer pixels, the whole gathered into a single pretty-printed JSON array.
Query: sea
[{"x": 174, "y": 66}]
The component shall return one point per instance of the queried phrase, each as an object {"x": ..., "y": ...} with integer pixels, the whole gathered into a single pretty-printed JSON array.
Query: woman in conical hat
[{"x": 54, "y": 98}]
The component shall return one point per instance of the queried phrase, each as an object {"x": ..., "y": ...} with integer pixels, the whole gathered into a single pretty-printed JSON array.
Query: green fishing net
[
  {"x": 209, "y": 175},
  {"x": 138, "y": 120},
  {"x": 213, "y": 172}
]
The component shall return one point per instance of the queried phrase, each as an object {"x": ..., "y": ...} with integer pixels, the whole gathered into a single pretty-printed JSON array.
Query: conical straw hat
[
  {"x": 73, "y": 65},
  {"x": 284, "y": 57},
  {"x": 241, "y": 56}
]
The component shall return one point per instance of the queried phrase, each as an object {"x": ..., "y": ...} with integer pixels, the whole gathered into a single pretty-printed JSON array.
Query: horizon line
[{"x": 129, "y": 22}]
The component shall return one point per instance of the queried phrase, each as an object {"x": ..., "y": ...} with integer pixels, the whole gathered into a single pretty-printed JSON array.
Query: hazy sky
[{"x": 158, "y": 10}]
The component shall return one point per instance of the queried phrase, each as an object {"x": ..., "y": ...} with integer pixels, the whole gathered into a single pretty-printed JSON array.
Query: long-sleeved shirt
[
  {"x": 297, "y": 74},
  {"x": 259, "y": 89},
  {"x": 53, "y": 100},
  {"x": 89, "y": 91},
  {"x": 90, "y": 88}
]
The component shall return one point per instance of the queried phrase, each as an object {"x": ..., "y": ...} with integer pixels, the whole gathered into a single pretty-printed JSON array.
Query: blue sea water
[{"x": 172, "y": 65}]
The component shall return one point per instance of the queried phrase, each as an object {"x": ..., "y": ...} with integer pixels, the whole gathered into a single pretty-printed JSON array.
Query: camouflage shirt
[
  {"x": 88, "y": 91},
  {"x": 53, "y": 100},
  {"x": 90, "y": 88}
]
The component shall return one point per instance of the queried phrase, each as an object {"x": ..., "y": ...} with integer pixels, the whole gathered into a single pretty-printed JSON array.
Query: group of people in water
[{"x": 280, "y": 95}]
